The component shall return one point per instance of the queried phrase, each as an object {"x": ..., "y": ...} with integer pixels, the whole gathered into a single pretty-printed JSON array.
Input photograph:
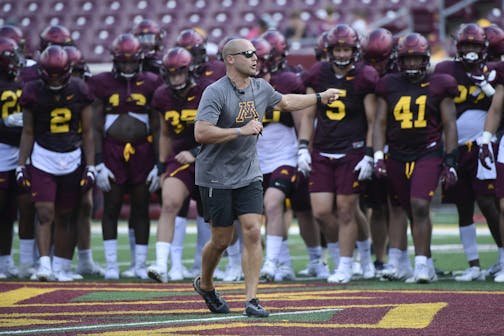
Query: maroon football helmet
[
  {"x": 79, "y": 67},
  {"x": 263, "y": 52},
  {"x": 495, "y": 36},
  {"x": 342, "y": 35},
  {"x": 177, "y": 61},
  {"x": 279, "y": 49},
  {"x": 471, "y": 35},
  {"x": 14, "y": 33},
  {"x": 150, "y": 36},
  {"x": 55, "y": 34},
  {"x": 409, "y": 46},
  {"x": 54, "y": 67},
  {"x": 321, "y": 47},
  {"x": 127, "y": 55},
  {"x": 9, "y": 58},
  {"x": 195, "y": 43},
  {"x": 378, "y": 49}
]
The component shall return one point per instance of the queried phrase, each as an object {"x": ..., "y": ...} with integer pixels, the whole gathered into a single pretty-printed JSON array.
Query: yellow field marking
[{"x": 26, "y": 322}]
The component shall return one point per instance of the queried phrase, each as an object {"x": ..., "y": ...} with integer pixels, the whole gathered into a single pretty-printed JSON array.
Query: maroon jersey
[
  {"x": 120, "y": 96},
  {"x": 414, "y": 126},
  {"x": 57, "y": 115},
  {"x": 284, "y": 82},
  {"x": 469, "y": 94},
  {"x": 10, "y": 91},
  {"x": 179, "y": 113},
  {"x": 153, "y": 63},
  {"x": 27, "y": 74},
  {"x": 211, "y": 71},
  {"x": 342, "y": 125}
]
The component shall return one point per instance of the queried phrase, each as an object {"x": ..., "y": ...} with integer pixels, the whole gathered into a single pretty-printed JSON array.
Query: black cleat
[
  {"x": 254, "y": 309},
  {"x": 213, "y": 300}
]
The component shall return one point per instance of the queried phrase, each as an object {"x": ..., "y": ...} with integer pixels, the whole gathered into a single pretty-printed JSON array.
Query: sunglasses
[{"x": 246, "y": 53}]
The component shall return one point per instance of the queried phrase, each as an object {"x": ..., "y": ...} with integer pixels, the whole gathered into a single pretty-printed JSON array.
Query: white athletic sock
[
  {"x": 468, "y": 239},
  {"x": 345, "y": 263},
  {"x": 140, "y": 255},
  {"x": 203, "y": 236},
  {"x": 110, "y": 249},
  {"x": 85, "y": 257},
  {"x": 394, "y": 256},
  {"x": 419, "y": 259},
  {"x": 273, "y": 246},
  {"x": 314, "y": 252},
  {"x": 132, "y": 243},
  {"x": 67, "y": 264},
  {"x": 162, "y": 252},
  {"x": 26, "y": 247},
  {"x": 45, "y": 262},
  {"x": 501, "y": 255},
  {"x": 404, "y": 259},
  {"x": 58, "y": 264},
  {"x": 177, "y": 245},
  {"x": 234, "y": 253},
  {"x": 334, "y": 251},
  {"x": 284, "y": 256},
  {"x": 364, "y": 248}
]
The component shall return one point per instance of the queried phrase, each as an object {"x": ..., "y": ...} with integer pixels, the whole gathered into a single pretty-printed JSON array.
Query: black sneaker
[
  {"x": 254, "y": 309},
  {"x": 213, "y": 300}
]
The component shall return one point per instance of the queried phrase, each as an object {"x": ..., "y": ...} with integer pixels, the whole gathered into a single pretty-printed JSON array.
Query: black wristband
[
  {"x": 369, "y": 151},
  {"x": 319, "y": 98},
  {"x": 98, "y": 158},
  {"x": 303, "y": 143},
  {"x": 194, "y": 151},
  {"x": 451, "y": 159},
  {"x": 161, "y": 167}
]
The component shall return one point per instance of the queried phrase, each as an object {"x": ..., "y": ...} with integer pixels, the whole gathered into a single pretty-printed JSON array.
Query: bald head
[{"x": 236, "y": 45}]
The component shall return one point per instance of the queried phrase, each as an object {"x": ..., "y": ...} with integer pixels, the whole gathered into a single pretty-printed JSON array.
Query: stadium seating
[{"x": 94, "y": 23}]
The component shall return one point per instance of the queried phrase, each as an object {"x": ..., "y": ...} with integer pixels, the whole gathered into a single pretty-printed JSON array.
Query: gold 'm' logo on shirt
[
  {"x": 191, "y": 98},
  {"x": 247, "y": 111}
]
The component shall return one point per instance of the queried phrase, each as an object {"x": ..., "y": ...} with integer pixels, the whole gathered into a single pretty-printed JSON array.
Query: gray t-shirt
[{"x": 233, "y": 164}]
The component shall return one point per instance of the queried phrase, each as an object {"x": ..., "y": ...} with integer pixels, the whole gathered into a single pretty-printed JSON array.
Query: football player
[
  {"x": 195, "y": 43},
  {"x": 177, "y": 103},
  {"x": 125, "y": 153},
  {"x": 57, "y": 132},
  {"x": 414, "y": 108},
  {"x": 342, "y": 156},
  {"x": 476, "y": 83},
  {"x": 151, "y": 37},
  {"x": 379, "y": 52}
]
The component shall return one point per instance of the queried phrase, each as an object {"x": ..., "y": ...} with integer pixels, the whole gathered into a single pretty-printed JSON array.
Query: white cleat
[
  {"x": 89, "y": 268},
  {"x": 63, "y": 276},
  {"x": 156, "y": 273},
  {"x": 268, "y": 271},
  {"x": 368, "y": 270},
  {"x": 176, "y": 274},
  {"x": 111, "y": 273},
  {"x": 319, "y": 269},
  {"x": 284, "y": 273},
  {"x": 340, "y": 276},
  {"x": 44, "y": 274},
  {"x": 499, "y": 277},
  {"x": 26, "y": 271},
  {"x": 129, "y": 273},
  {"x": 233, "y": 273},
  {"x": 471, "y": 274}
]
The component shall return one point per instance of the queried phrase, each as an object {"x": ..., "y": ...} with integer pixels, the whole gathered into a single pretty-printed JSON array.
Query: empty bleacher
[{"x": 95, "y": 23}]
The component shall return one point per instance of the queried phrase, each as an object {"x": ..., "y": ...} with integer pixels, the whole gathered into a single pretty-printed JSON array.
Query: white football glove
[
  {"x": 304, "y": 161},
  {"x": 153, "y": 179},
  {"x": 365, "y": 168},
  {"x": 103, "y": 177},
  {"x": 14, "y": 120}
]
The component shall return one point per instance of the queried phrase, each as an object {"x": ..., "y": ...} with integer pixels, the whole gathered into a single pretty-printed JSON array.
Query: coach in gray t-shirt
[
  {"x": 227, "y": 169},
  {"x": 233, "y": 164}
]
